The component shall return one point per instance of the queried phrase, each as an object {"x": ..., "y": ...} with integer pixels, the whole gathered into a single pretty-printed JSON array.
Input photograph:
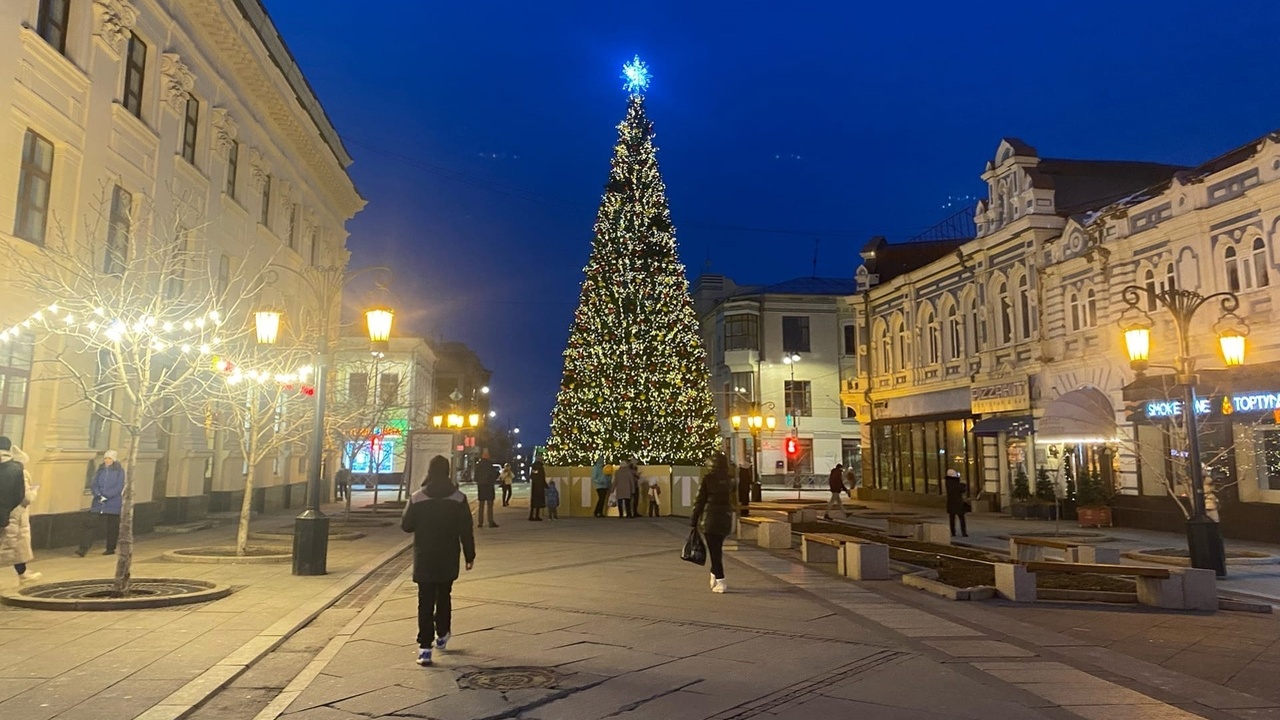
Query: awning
[
  {"x": 1015, "y": 426},
  {"x": 1084, "y": 415}
]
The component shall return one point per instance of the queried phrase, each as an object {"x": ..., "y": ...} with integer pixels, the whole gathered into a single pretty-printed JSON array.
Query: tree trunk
[
  {"x": 246, "y": 505},
  {"x": 124, "y": 548}
]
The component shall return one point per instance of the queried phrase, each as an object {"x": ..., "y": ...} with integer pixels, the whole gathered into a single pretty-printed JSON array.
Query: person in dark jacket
[
  {"x": 440, "y": 519},
  {"x": 835, "y": 483},
  {"x": 107, "y": 489},
  {"x": 713, "y": 515},
  {"x": 746, "y": 479},
  {"x": 537, "y": 489},
  {"x": 957, "y": 502},
  {"x": 486, "y": 478},
  {"x": 342, "y": 484}
]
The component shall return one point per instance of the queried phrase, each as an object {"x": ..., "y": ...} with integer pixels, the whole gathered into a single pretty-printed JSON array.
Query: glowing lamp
[
  {"x": 473, "y": 419},
  {"x": 437, "y": 421},
  {"x": 736, "y": 421},
  {"x": 771, "y": 422},
  {"x": 1232, "y": 342},
  {"x": 379, "y": 322},
  {"x": 1137, "y": 341},
  {"x": 267, "y": 323}
]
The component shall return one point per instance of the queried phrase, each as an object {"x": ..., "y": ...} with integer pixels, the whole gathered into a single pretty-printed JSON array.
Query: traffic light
[{"x": 793, "y": 447}]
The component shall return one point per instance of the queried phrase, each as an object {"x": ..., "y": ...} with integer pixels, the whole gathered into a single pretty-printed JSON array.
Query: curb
[
  {"x": 283, "y": 555},
  {"x": 188, "y": 697}
]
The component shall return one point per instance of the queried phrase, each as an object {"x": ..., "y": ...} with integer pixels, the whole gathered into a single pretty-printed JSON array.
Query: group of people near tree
[
  {"x": 543, "y": 495},
  {"x": 626, "y": 486}
]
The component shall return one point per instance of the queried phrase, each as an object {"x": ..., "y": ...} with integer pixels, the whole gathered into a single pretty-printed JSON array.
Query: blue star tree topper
[{"x": 637, "y": 75}]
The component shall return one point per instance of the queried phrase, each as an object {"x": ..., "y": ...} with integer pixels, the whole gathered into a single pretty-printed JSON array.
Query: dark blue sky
[{"x": 482, "y": 131}]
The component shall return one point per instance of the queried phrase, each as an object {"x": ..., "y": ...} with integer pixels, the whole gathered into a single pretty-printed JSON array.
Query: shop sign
[
  {"x": 1246, "y": 403},
  {"x": 999, "y": 397}
]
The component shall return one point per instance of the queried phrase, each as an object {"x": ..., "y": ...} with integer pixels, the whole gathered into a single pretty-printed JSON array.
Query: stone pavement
[
  {"x": 157, "y": 663},
  {"x": 587, "y": 618}
]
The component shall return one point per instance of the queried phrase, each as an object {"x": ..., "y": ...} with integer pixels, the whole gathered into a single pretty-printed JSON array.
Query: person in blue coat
[
  {"x": 107, "y": 489},
  {"x": 600, "y": 482}
]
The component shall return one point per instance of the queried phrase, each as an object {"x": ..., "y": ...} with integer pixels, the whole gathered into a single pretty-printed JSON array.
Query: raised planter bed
[
  {"x": 922, "y": 581},
  {"x": 226, "y": 554},
  {"x": 1179, "y": 557}
]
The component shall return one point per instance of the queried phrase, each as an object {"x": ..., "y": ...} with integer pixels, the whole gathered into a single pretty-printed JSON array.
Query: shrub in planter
[
  {"x": 1020, "y": 507},
  {"x": 1093, "y": 501}
]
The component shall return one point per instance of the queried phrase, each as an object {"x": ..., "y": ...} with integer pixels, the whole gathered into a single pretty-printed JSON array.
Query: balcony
[{"x": 741, "y": 360}]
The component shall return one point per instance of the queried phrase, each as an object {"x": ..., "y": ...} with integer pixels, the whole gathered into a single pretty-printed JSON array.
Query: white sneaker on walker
[
  {"x": 719, "y": 586},
  {"x": 30, "y": 577}
]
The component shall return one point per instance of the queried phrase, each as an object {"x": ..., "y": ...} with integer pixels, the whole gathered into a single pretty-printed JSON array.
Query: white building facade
[
  {"x": 750, "y": 335},
  {"x": 113, "y": 105},
  {"x": 380, "y": 399}
]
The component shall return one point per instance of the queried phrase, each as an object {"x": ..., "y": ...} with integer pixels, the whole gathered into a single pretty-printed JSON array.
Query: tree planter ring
[
  {"x": 95, "y": 595},
  {"x": 226, "y": 554}
]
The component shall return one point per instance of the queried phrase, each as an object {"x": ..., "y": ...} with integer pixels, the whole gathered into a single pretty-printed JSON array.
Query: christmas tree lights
[{"x": 635, "y": 380}]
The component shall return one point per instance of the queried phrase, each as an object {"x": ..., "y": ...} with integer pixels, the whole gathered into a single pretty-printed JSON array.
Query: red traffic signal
[{"x": 793, "y": 447}]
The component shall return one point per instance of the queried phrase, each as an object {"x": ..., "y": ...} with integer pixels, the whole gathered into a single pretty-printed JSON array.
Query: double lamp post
[
  {"x": 1204, "y": 537},
  {"x": 325, "y": 283}
]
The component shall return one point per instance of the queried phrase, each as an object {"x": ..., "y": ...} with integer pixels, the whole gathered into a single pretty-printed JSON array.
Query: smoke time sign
[{"x": 1241, "y": 403}]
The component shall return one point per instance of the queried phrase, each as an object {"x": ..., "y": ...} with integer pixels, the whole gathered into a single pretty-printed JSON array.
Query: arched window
[
  {"x": 1005, "y": 307},
  {"x": 931, "y": 334},
  {"x": 1232, "y": 266},
  {"x": 1260, "y": 262},
  {"x": 955, "y": 332},
  {"x": 1091, "y": 308},
  {"x": 1024, "y": 307},
  {"x": 1149, "y": 282},
  {"x": 1073, "y": 311},
  {"x": 900, "y": 357},
  {"x": 884, "y": 348},
  {"x": 974, "y": 321},
  {"x": 1170, "y": 277}
]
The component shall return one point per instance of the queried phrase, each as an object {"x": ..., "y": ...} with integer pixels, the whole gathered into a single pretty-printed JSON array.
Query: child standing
[
  {"x": 553, "y": 500},
  {"x": 655, "y": 492}
]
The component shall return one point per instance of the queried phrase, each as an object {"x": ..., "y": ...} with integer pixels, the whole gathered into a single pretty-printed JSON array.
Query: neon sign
[
  {"x": 1254, "y": 402},
  {"x": 1173, "y": 408}
]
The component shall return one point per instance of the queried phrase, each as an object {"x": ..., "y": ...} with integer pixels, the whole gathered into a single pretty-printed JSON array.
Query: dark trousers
[
  {"x": 108, "y": 525},
  {"x": 506, "y": 495},
  {"x": 343, "y": 491},
  {"x": 653, "y": 508},
  {"x": 715, "y": 550},
  {"x": 952, "y": 518},
  {"x": 602, "y": 501},
  {"x": 435, "y": 611},
  {"x": 481, "y": 506},
  {"x": 624, "y": 507}
]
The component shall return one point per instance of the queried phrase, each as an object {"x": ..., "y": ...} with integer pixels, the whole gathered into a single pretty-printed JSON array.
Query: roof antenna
[
  {"x": 706, "y": 264},
  {"x": 815, "y": 256}
]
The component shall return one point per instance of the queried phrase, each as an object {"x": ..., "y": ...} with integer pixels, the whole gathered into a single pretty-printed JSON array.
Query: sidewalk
[
  {"x": 595, "y": 618},
  {"x": 108, "y": 665},
  {"x": 985, "y": 530}
]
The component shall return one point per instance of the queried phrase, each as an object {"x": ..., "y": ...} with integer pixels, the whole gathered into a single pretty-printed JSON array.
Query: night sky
[{"x": 482, "y": 132}]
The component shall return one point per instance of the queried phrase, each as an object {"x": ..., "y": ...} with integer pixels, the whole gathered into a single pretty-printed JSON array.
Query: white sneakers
[
  {"x": 424, "y": 657},
  {"x": 719, "y": 586},
  {"x": 27, "y": 578},
  {"x": 712, "y": 584},
  {"x": 442, "y": 642}
]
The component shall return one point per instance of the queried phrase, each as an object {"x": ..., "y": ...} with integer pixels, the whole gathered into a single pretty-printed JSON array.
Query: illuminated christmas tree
[{"x": 635, "y": 378}]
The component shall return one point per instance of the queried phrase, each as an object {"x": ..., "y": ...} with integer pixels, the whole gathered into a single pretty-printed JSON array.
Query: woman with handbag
[
  {"x": 957, "y": 502},
  {"x": 713, "y": 514}
]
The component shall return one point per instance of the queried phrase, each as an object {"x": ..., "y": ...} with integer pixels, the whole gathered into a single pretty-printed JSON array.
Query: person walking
[
  {"x": 107, "y": 489},
  {"x": 746, "y": 479},
  {"x": 342, "y": 484},
  {"x": 636, "y": 484},
  {"x": 486, "y": 476},
  {"x": 440, "y": 519},
  {"x": 655, "y": 495},
  {"x": 537, "y": 489},
  {"x": 600, "y": 483},
  {"x": 957, "y": 502},
  {"x": 835, "y": 482},
  {"x": 16, "y": 495},
  {"x": 713, "y": 515},
  {"x": 623, "y": 484},
  {"x": 506, "y": 477},
  {"x": 553, "y": 501}
]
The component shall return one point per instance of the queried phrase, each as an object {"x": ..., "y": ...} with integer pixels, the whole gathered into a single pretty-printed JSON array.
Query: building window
[
  {"x": 1091, "y": 308},
  {"x": 358, "y": 388},
  {"x": 189, "y": 126},
  {"x": 886, "y": 349},
  {"x": 315, "y": 249},
  {"x": 233, "y": 168},
  {"x": 175, "y": 283},
  {"x": 118, "y": 230},
  {"x": 265, "y": 211},
  {"x": 1074, "y": 310},
  {"x": 1149, "y": 282},
  {"x": 741, "y": 392},
  {"x": 15, "y": 376},
  {"x": 797, "y": 397},
  {"x": 802, "y": 463},
  {"x": 1232, "y": 266},
  {"x": 955, "y": 333},
  {"x": 900, "y": 340},
  {"x": 135, "y": 70},
  {"x": 1005, "y": 307},
  {"x": 1260, "y": 262},
  {"x": 850, "y": 339},
  {"x": 51, "y": 23},
  {"x": 1170, "y": 277},
  {"x": 975, "y": 327},
  {"x": 389, "y": 389},
  {"x": 35, "y": 176},
  {"x": 795, "y": 334},
  {"x": 1025, "y": 307},
  {"x": 932, "y": 337},
  {"x": 741, "y": 332}
]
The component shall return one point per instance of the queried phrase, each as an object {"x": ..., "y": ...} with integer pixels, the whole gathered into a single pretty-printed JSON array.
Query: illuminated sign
[
  {"x": 1173, "y": 408},
  {"x": 1253, "y": 402},
  {"x": 999, "y": 397}
]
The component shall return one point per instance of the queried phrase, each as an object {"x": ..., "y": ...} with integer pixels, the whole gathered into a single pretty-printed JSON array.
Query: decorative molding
[
  {"x": 114, "y": 20},
  {"x": 284, "y": 191},
  {"x": 177, "y": 82},
  {"x": 224, "y": 130},
  {"x": 258, "y": 169}
]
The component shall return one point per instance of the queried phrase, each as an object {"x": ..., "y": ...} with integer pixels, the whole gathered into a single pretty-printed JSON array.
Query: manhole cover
[{"x": 507, "y": 679}]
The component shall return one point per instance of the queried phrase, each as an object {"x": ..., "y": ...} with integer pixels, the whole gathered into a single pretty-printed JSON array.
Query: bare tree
[{"x": 138, "y": 310}]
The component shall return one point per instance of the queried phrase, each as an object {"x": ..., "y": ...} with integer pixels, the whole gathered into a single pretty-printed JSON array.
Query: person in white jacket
[{"x": 15, "y": 534}]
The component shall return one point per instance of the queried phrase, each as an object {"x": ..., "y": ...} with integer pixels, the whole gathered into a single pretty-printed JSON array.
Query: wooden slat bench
[
  {"x": 1176, "y": 588},
  {"x": 765, "y": 532},
  {"x": 1031, "y": 549},
  {"x": 854, "y": 557}
]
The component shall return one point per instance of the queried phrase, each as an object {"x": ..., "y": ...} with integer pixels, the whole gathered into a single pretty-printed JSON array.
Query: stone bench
[
  {"x": 1029, "y": 549},
  {"x": 1172, "y": 588},
  {"x": 920, "y": 530},
  {"x": 765, "y": 532},
  {"x": 855, "y": 558}
]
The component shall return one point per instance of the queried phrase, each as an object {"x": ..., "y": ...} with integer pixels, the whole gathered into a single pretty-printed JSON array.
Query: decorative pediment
[
  {"x": 177, "y": 82},
  {"x": 113, "y": 21},
  {"x": 224, "y": 130}
]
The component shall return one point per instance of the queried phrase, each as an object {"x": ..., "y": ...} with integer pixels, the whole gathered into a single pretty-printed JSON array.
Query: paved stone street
[{"x": 600, "y": 619}]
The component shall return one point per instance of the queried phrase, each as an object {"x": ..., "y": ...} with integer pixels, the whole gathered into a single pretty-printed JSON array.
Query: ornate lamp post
[
  {"x": 311, "y": 528},
  {"x": 755, "y": 423},
  {"x": 1204, "y": 537}
]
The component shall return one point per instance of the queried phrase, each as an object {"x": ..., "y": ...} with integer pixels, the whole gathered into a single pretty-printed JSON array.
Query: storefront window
[
  {"x": 915, "y": 456},
  {"x": 1268, "y": 444}
]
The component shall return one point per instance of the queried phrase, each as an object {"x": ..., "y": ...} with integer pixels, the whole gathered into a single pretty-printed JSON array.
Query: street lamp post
[
  {"x": 755, "y": 423},
  {"x": 791, "y": 360},
  {"x": 1204, "y": 537},
  {"x": 311, "y": 528}
]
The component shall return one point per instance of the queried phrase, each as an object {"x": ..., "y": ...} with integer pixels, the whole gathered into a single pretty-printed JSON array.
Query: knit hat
[
  {"x": 438, "y": 483},
  {"x": 111, "y": 455},
  {"x": 5, "y": 443}
]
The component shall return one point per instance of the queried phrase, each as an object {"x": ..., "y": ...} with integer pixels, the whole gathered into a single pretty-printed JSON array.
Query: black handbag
[{"x": 695, "y": 550}]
